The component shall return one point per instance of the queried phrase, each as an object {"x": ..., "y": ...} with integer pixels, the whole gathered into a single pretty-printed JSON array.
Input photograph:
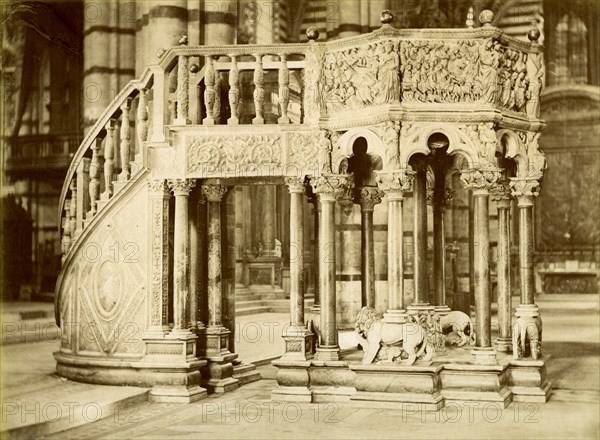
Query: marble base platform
[{"x": 527, "y": 380}]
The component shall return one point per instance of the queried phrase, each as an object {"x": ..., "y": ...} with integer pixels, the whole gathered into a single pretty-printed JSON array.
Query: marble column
[
  {"x": 220, "y": 367},
  {"x": 158, "y": 198},
  {"x": 181, "y": 256},
  {"x": 527, "y": 312},
  {"x": 394, "y": 184},
  {"x": 328, "y": 187},
  {"x": 368, "y": 197},
  {"x": 442, "y": 197},
  {"x": 420, "y": 303},
  {"x": 480, "y": 182},
  {"x": 297, "y": 338},
  {"x": 501, "y": 195}
]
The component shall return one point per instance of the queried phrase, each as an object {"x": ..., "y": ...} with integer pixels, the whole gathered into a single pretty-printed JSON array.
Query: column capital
[
  {"x": 524, "y": 190},
  {"x": 368, "y": 197},
  {"x": 214, "y": 193},
  {"x": 395, "y": 183},
  {"x": 501, "y": 193},
  {"x": 333, "y": 186},
  {"x": 480, "y": 180},
  {"x": 157, "y": 187},
  {"x": 181, "y": 187},
  {"x": 295, "y": 185}
]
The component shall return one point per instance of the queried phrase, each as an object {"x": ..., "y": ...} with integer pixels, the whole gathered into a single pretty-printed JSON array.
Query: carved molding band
[{"x": 233, "y": 153}]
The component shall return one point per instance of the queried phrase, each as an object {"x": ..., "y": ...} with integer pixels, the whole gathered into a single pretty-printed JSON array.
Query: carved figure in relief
[
  {"x": 489, "y": 58},
  {"x": 325, "y": 149},
  {"x": 527, "y": 337},
  {"x": 389, "y": 73},
  {"x": 373, "y": 335},
  {"x": 460, "y": 323}
]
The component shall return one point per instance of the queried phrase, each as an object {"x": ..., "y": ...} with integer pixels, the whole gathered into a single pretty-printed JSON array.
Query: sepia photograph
[{"x": 324, "y": 219}]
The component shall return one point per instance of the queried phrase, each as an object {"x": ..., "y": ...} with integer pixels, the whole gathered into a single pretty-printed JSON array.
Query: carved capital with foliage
[
  {"x": 295, "y": 185},
  {"x": 525, "y": 190},
  {"x": 181, "y": 187},
  {"x": 333, "y": 186},
  {"x": 395, "y": 182},
  {"x": 368, "y": 197},
  {"x": 480, "y": 180},
  {"x": 214, "y": 193}
]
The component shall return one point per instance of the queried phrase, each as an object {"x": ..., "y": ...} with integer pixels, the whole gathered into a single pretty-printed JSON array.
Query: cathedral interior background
[{"x": 174, "y": 163}]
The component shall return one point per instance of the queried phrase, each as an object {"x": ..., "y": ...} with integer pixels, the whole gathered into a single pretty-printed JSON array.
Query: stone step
[
  {"x": 252, "y": 311},
  {"x": 245, "y": 373},
  {"x": 39, "y": 330},
  {"x": 50, "y": 411},
  {"x": 247, "y": 297},
  {"x": 248, "y": 304}
]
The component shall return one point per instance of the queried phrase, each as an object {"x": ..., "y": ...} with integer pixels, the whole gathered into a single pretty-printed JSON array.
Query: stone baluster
[
  {"x": 95, "y": 172},
  {"x": 501, "y": 195},
  {"x": 527, "y": 313},
  {"x": 328, "y": 187},
  {"x": 109, "y": 163},
  {"x": 368, "y": 198},
  {"x": 83, "y": 191},
  {"x": 284, "y": 90},
  {"x": 66, "y": 237},
  {"x": 394, "y": 184},
  {"x": 141, "y": 123},
  {"x": 181, "y": 189},
  {"x": 259, "y": 91},
  {"x": 480, "y": 181},
  {"x": 234, "y": 92},
  {"x": 158, "y": 197},
  {"x": 73, "y": 210},
  {"x": 217, "y": 104},
  {"x": 125, "y": 145},
  {"x": 183, "y": 84},
  {"x": 209, "y": 91}
]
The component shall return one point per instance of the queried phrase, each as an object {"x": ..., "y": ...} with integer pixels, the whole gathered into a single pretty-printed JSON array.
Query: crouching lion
[{"x": 373, "y": 334}]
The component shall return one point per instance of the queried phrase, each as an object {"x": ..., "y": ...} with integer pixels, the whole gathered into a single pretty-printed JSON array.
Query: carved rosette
[
  {"x": 480, "y": 180},
  {"x": 333, "y": 186},
  {"x": 368, "y": 197},
  {"x": 295, "y": 185},
  {"x": 181, "y": 187},
  {"x": 525, "y": 190},
  {"x": 214, "y": 193}
]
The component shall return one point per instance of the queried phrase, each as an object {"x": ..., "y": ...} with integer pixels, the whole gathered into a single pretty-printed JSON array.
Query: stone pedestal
[
  {"x": 176, "y": 370},
  {"x": 331, "y": 381},
  {"x": 527, "y": 380},
  {"x": 219, "y": 369},
  {"x": 293, "y": 380},
  {"x": 476, "y": 383},
  {"x": 393, "y": 386}
]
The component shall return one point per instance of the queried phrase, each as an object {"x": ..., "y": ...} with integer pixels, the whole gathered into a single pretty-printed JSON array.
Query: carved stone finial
[
  {"x": 470, "y": 22},
  {"x": 160, "y": 53},
  {"x": 534, "y": 33},
  {"x": 386, "y": 16},
  {"x": 194, "y": 68},
  {"x": 485, "y": 17},
  {"x": 183, "y": 40},
  {"x": 312, "y": 33}
]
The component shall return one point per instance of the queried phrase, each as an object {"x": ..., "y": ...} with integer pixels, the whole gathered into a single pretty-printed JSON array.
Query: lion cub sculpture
[
  {"x": 459, "y": 322},
  {"x": 372, "y": 335}
]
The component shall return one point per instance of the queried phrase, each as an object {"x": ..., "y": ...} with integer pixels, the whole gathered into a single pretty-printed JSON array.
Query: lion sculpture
[{"x": 373, "y": 334}]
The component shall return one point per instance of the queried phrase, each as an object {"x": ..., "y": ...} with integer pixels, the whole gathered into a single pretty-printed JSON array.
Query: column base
[
  {"x": 420, "y": 309},
  {"x": 442, "y": 310},
  {"x": 527, "y": 380},
  {"x": 328, "y": 353},
  {"x": 298, "y": 343},
  {"x": 396, "y": 316},
  {"x": 176, "y": 394},
  {"x": 504, "y": 345},
  {"x": 217, "y": 374},
  {"x": 483, "y": 356}
]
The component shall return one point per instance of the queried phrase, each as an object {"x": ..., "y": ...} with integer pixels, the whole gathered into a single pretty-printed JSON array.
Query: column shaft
[
  {"x": 296, "y": 259},
  {"x": 214, "y": 265},
  {"x": 481, "y": 269},
  {"x": 395, "y": 253},
  {"x": 329, "y": 336},
  {"x": 503, "y": 269},
  {"x": 526, "y": 253},
  {"x": 420, "y": 238},
  {"x": 367, "y": 259}
]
